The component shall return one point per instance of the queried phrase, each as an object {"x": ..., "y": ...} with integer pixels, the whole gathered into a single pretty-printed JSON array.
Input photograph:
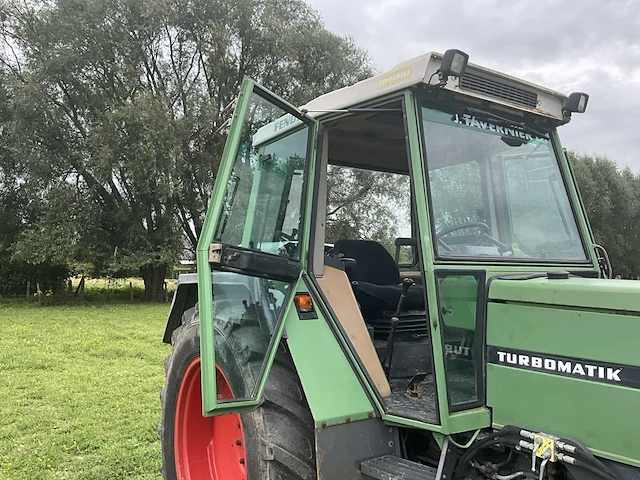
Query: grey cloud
[
  {"x": 590, "y": 45},
  {"x": 610, "y": 126}
]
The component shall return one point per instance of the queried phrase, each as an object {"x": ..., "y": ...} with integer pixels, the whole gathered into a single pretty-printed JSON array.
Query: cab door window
[
  {"x": 263, "y": 201},
  {"x": 254, "y": 244}
]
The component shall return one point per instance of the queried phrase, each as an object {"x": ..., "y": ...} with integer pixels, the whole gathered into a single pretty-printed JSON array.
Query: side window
[
  {"x": 369, "y": 205},
  {"x": 263, "y": 200},
  {"x": 458, "y": 301}
]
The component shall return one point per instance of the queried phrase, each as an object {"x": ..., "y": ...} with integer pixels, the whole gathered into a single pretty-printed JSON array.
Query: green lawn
[{"x": 79, "y": 389}]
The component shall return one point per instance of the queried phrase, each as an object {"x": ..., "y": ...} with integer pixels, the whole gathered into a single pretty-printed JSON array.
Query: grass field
[{"x": 79, "y": 390}]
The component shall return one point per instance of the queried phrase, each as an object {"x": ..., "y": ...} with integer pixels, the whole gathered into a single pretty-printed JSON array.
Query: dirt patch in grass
[{"x": 79, "y": 391}]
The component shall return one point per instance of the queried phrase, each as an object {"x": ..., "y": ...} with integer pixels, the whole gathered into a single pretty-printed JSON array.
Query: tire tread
[{"x": 284, "y": 420}]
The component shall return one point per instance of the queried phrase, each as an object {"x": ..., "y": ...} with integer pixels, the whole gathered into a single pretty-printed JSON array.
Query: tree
[
  {"x": 367, "y": 204},
  {"x": 120, "y": 104},
  {"x": 612, "y": 202},
  {"x": 20, "y": 207}
]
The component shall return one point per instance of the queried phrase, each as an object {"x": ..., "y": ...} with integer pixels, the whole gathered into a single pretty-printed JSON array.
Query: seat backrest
[{"x": 374, "y": 264}]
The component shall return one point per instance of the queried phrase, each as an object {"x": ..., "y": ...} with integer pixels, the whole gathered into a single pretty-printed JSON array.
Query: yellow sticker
[
  {"x": 395, "y": 76},
  {"x": 547, "y": 445}
]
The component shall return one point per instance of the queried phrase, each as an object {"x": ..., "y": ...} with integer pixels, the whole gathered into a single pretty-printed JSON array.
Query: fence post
[
  {"x": 80, "y": 289},
  {"x": 131, "y": 290},
  {"x": 28, "y": 288}
]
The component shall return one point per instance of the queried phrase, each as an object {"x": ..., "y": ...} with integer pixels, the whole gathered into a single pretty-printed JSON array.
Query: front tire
[{"x": 275, "y": 442}]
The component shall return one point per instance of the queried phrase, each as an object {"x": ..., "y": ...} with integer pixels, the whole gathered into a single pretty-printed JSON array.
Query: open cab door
[{"x": 251, "y": 247}]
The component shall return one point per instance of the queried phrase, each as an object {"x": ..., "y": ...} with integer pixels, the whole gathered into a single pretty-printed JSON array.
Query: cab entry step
[{"x": 389, "y": 467}]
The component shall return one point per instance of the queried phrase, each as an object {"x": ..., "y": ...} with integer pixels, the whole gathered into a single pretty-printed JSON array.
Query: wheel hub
[{"x": 207, "y": 448}]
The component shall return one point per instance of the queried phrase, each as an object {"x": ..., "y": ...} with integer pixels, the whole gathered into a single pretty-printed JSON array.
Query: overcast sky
[{"x": 586, "y": 45}]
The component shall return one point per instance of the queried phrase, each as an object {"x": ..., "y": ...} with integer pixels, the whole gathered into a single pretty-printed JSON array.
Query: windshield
[{"x": 496, "y": 191}]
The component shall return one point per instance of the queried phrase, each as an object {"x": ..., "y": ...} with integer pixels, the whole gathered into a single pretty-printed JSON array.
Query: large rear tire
[{"x": 275, "y": 442}]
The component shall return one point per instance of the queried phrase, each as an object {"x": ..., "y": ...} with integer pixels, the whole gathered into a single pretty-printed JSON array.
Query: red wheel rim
[{"x": 207, "y": 448}]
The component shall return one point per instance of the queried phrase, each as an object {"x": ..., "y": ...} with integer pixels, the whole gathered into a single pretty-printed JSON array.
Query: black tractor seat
[{"x": 375, "y": 277}]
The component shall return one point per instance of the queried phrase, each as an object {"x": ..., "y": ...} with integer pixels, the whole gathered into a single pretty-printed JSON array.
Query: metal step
[{"x": 389, "y": 467}]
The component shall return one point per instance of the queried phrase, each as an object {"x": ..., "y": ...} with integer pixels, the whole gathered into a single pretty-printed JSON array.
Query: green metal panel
[
  {"x": 468, "y": 420},
  {"x": 210, "y": 404},
  {"x": 330, "y": 384},
  {"x": 622, "y": 295},
  {"x": 603, "y": 417},
  {"x": 408, "y": 422},
  {"x": 575, "y": 333}
]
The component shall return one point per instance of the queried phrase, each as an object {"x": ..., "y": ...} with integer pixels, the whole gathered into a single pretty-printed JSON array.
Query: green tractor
[{"x": 398, "y": 281}]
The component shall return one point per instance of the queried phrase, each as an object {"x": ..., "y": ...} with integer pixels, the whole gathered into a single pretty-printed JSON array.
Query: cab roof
[{"x": 479, "y": 82}]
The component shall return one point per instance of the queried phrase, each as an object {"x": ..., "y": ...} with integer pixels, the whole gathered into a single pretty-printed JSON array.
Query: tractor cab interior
[{"x": 371, "y": 228}]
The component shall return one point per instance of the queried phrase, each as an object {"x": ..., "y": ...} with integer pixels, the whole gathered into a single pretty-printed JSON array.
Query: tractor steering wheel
[
  {"x": 290, "y": 243},
  {"x": 502, "y": 247},
  {"x": 455, "y": 228}
]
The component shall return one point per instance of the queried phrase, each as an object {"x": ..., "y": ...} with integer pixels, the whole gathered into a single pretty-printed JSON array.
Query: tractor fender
[
  {"x": 185, "y": 297},
  {"x": 227, "y": 285}
]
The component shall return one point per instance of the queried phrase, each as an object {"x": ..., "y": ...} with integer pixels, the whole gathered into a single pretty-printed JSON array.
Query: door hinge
[{"x": 215, "y": 253}]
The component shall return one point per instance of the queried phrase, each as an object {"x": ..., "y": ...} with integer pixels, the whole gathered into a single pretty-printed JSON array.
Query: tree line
[
  {"x": 111, "y": 116},
  {"x": 611, "y": 197}
]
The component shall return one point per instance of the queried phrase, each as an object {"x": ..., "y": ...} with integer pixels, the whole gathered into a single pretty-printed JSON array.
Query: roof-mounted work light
[
  {"x": 576, "y": 103},
  {"x": 454, "y": 63}
]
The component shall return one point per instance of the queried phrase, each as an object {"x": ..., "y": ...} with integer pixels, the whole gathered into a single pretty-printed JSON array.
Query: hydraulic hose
[
  {"x": 508, "y": 434},
  {"x": 582, "y": 451},
  {"x": 508, "y": 477},
  {"x": 582, "y": 458},
  {"x": 468, "y": 444},
  {"x": 463, "y": 464},
  {"x": 596, "y": 471},
  {"x": 496, "y": 476},
  {"x": 593, "y": 462}
]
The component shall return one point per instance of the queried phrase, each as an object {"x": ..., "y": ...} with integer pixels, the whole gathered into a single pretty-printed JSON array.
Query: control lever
[
  {"x": 414, "y": 389},
  {"x": 395, "y": 321}
]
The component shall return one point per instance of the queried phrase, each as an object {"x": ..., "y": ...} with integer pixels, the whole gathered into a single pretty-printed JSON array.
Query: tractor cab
[{"x": 414, "y": 250}]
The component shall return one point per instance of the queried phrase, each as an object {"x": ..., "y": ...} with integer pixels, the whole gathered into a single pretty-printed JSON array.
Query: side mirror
[
  {"x": 576, "y": 103},
  {"x": 412, "y": 243}
]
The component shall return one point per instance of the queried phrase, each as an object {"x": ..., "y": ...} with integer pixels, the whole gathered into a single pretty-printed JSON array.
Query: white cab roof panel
[{"x": 478, "y": 82}]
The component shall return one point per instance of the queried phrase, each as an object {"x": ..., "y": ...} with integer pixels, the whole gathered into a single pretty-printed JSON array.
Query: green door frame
[
  {"x": 210, "y": 404},
  {"x": 451, "y": 422}
]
